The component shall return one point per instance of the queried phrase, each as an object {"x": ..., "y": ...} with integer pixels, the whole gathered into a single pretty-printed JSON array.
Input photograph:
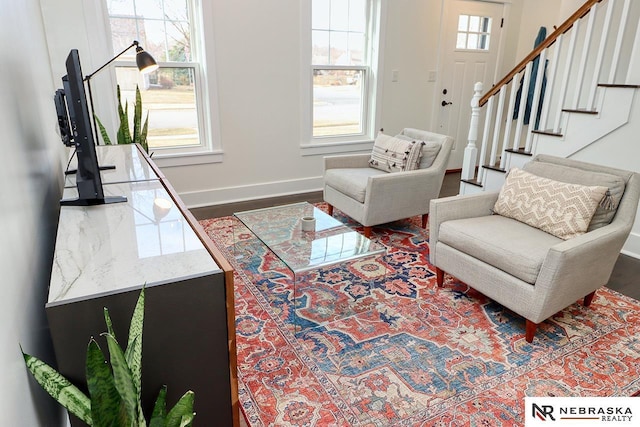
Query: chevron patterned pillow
[{"x": 558, "y": 208}]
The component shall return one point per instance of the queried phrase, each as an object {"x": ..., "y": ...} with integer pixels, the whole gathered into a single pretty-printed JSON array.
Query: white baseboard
[
  {"x": 218, "y": 196},
  {"x": 632, "y": 246}
]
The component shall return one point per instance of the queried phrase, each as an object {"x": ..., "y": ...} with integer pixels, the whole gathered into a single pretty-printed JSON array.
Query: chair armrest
[
  {"x": 578, "y": 266},
  {"x": 457, "y": 207},
  {"x": 347, "y": 161}
]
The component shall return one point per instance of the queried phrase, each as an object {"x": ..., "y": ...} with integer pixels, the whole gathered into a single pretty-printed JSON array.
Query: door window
[{"x": 473, "y": 32}]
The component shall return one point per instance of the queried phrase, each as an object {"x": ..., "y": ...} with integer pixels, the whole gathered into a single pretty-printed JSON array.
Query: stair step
[
  {"x": 520, "y": 150},
  {"x": 472, "y": 182},
  {"x": 619, "y": 85},
  {"x": 579, "y": 110},
  {"x": 549, "y": 132},
  {"x": 495, "y": 168}
]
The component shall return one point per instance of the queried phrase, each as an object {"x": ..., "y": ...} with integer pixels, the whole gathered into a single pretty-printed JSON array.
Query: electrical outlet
[{"x": 394, "y": 75}]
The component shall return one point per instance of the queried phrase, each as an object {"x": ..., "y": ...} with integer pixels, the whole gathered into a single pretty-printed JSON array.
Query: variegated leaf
[{"x": 61, "y": 389}]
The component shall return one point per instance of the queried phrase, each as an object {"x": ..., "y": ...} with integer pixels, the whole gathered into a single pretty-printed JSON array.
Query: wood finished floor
[{"x": 624, "y": 279}]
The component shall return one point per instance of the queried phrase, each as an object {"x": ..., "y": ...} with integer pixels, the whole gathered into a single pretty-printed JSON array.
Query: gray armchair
[
  {"x": 527, "y": 270},
  {"x": 372, "y": 197}
]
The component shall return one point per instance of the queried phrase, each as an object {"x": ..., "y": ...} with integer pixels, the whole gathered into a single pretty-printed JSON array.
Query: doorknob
[{"x": 445, "y": 103}]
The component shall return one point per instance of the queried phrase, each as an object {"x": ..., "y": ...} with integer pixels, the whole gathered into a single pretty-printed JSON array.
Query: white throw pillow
[
  {"x": 558, "y": 208},
  {"x": 391, "y": 154}
]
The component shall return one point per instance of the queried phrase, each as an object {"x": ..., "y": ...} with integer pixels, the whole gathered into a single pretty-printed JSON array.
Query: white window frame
[
  {"x": 210, "y": 148},
  {"x": 311, "y": 145}
]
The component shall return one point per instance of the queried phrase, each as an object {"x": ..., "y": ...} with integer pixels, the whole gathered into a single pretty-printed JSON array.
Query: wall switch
[
  {"x": 433, "y": 75},
  {"x": 394, "y": 75}
]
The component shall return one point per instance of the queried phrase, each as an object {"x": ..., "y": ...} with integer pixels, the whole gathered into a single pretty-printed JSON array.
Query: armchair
[
  {"x": 372, "y": 196},
  {"x": 531, "y": 272}
]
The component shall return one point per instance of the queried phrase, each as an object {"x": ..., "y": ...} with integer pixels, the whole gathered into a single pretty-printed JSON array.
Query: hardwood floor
[{"x": 624, "y": 279}]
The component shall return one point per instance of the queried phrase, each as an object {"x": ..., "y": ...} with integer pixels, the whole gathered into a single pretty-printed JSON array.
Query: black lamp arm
[{"x": 135, "y": 43}]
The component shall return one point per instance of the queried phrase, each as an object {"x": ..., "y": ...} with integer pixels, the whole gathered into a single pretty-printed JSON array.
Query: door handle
[{"x": 445, "y": 103}]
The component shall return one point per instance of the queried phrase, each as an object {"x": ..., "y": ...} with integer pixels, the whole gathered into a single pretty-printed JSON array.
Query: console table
[{"x": 104, "y": 255}]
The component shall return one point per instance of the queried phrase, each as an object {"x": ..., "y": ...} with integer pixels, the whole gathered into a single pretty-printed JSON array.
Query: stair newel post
[{"x": 471, "y": 151}]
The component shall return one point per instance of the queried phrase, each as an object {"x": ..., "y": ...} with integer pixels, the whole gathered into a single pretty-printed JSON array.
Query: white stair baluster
[
  {"x": 565, "y": 77},
  {"x": 512, "y": 103},
  {"x": 495, "y": 145},
  {"x": 583, "y": 59},
  {"x": 471, "y": 151},
  {"x": 600, "y": 55},
  {"x": 485, "y": 139},
  {"x": 615, "y": 59},
  {"x": 523, "y": 105},
  {"x": 551, "y": 82},
  {"x": 537, "y": 92}
]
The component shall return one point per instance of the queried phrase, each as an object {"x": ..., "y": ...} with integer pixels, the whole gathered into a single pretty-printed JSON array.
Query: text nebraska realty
[{"x": 609, "y": 413}]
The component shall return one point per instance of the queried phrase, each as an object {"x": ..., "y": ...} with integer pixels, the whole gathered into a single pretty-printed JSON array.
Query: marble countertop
[
  {"x": 130, "y": 165},
  {"x": 117, "y": 247}
]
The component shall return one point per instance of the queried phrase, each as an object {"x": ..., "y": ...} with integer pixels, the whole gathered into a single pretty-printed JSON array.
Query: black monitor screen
[{"x": 88, "y": 180}]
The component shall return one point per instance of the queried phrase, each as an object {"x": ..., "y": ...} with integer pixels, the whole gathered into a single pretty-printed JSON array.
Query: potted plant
[
  {"x": 124, "y": 135},
  {"x": 115, "y": 387}
]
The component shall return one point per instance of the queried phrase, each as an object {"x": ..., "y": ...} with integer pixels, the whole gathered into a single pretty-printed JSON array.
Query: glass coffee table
[{"x": 336, "y": 271}]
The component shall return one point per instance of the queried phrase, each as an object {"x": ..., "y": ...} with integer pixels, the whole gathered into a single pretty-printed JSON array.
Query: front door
[{"x": 469, "y": 54}]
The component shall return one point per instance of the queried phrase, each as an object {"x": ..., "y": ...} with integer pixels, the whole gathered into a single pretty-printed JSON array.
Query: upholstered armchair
[
  {"x": 530, "y": 271},
  {"x": 373, "y": 196}
]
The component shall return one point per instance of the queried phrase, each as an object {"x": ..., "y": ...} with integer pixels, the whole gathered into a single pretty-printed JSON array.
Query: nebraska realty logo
[{"x": 587, "y": 411}]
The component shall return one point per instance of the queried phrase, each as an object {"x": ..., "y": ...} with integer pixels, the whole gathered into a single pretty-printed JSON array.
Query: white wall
[
  {"x": 30, "y": 182},
  {"x": 620, "y": 149},
  {"x": 410, "y": 47}
]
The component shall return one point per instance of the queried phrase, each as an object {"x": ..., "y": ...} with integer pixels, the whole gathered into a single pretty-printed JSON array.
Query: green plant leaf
[
  {"x": 103, "y": 131},
  {"x": 137, "y": 117},
  {"x": 184, "y": 407},
  {"x": 143, "y": 136},
  {"x": 107, "y": 321},
  {"x": 159, "y": 409},
  {"x": 124, "y": 124},
  {"x": 122, "y": 377},
  {"x": 187, "y": 420},
  {"x": 133, "y": 353},
  {"x": 105, "y": 400},
  {"x": 60, "y": 388}
]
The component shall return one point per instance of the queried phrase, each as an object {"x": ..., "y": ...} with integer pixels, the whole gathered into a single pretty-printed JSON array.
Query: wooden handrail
[{"x": 563, "y": 28}]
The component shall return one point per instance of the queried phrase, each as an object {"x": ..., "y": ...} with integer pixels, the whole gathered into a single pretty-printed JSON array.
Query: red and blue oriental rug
[{"x": 421, "y": 356}]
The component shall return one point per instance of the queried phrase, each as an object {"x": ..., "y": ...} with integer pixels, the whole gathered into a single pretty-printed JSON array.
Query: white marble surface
[
  {"x": 130, "y": 165},
  {"x": 110, "y": 248}
]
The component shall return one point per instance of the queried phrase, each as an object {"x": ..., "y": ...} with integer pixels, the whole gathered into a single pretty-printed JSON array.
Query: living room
[{"x": 254, "y": 67}]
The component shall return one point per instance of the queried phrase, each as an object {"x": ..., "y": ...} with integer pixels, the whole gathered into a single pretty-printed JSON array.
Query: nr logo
[{"x": 543, "y": 412}]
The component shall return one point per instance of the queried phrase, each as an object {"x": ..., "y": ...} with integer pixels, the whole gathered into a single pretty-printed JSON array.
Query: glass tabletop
[{"x": 279, "y": 228}]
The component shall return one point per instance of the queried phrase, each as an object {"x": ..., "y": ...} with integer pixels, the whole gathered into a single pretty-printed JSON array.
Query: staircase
[{"x": 579, "y": 85}]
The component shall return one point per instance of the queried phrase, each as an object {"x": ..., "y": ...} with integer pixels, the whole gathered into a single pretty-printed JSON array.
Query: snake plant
[
  {"x": 114, "y": 391},
  {"x": 124, "y": 135}
]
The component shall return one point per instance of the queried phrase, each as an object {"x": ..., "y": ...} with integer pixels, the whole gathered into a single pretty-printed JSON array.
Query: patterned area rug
[{"x": 421, "y": 356}]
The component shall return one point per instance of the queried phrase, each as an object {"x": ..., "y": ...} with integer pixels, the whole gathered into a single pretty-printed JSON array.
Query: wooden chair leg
[
  {"x": 439, "y": 277},
  {"x": 589, "y": 298},
  {"x": 425, "y": 218},
  {"x": 330, "y": 210},
  {"x": 367, "y": 231},
  {"x": 530, "y": 330}
]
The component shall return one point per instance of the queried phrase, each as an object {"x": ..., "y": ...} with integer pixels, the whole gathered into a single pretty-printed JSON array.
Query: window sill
[
  {"x": 319, "y": 148},
  {"x": 173, "y": 160}
]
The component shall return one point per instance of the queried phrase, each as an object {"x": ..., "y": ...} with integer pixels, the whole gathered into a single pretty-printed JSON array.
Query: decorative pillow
[
  {"x": 561, "y": 209},
  {"x": 415, "y": 154},
  {"x": 430, "y": 150},
  {"x": 614, "y": 183},
  {"x": 392, "y": 154}
]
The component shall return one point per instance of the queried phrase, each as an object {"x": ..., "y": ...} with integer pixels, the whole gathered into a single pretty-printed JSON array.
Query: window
[
  {"x": 173, "y": 95},
  {"x": 340, "y": 63},
  {"x": 473, "y": 32}
]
